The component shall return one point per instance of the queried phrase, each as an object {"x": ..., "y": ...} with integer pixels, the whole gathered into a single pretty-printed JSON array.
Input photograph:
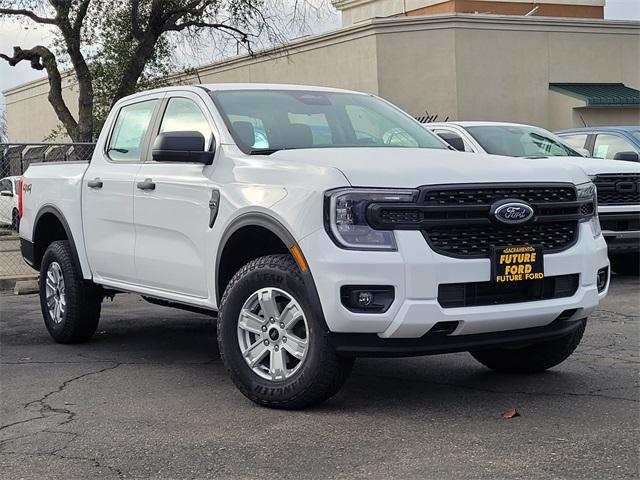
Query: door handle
[
  {"x": 95, "y": 183},
  {"x": 147, "y": 185}
]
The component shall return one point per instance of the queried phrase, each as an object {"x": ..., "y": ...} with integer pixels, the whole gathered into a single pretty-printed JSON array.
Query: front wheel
[
  {"x": 274, "y": 346},
  {"x": 626, "y": 264},
  {"x": 533, "y": 358},
  {"x": 70, "y": 305}
]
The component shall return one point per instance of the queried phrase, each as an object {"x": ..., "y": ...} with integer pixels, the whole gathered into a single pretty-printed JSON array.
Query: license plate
[{"x": 517, "y": 264}]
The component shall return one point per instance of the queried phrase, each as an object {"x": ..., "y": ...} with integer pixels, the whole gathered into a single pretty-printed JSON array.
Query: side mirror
[
  {"x": 627, "y": 156},
  {"x": 454, "y": 140},
  {"x": 181, "y": 147},
  {"x": 6, "y": 193}
]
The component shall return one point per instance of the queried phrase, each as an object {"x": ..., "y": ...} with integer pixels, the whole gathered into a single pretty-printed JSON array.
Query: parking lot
[{"x": 149, "y": 397}]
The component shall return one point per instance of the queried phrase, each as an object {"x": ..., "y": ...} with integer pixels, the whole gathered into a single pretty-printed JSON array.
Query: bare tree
[{"x": 124, "y": 37}]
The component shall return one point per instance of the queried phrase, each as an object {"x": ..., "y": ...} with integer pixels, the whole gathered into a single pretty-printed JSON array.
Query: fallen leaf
[{"x": 511, "y": 413}]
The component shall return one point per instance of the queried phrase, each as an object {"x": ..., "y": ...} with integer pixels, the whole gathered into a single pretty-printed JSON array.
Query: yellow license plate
[{"x": 517, "y": 264}]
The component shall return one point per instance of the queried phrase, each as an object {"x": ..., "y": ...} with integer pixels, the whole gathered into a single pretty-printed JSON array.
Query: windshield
[
  {"x": 636, "y": 133},
  {"x": 263, "y": 121},
  {"x": 520, "y": 141}
]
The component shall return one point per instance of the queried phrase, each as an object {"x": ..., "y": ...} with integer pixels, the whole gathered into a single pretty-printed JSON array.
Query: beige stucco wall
[
  {"x": 417, "y": 71},
  {"x": 610, "y": 116},
  {"x": 30, "y": 116},
  {"x": 343, "y": 62},
  {"x": 465, "y": 67}
]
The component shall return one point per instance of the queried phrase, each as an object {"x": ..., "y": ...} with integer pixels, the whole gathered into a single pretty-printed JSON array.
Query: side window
[
  {"x": 129, "y": 131},
  {"x": 575, "y": 140},
  {"x": 182, "y": 115},
  {"x": 607, "y": 146},
  {"x": 5, "y": 185}
]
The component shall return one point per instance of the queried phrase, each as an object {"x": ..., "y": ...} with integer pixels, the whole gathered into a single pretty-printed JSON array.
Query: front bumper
[
  {"x": 620, "y": 228},
  {"x": 415, "y": 272}
]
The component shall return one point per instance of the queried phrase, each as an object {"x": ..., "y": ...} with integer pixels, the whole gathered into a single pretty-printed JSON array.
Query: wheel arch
[
  {"x": 49, "y": 226},
  {"x": 239, "y": 230}
]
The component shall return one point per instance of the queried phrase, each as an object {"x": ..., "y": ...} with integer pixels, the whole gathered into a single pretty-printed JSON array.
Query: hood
[
  {"x": 413, "y": 167},
  {"x": 597, "y": 166}
]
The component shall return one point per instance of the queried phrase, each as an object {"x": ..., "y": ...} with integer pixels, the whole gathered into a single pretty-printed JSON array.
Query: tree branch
[
  {"x": 20, "y": 12},
  {"x": 244, "y": 36},
  {"x": 41, "y": 58}
]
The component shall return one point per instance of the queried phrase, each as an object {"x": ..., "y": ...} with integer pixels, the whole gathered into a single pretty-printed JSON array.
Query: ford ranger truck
[
  {"x": 318, "y": 225},
  {"x": 617, "y": 182}
]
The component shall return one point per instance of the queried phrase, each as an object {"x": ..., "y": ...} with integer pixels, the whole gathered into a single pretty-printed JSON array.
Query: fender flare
[
  {"x": 274, "y": 226},
  {"x": 63, "y": 221}
]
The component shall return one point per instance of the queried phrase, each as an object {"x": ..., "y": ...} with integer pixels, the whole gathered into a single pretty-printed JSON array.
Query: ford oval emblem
[{"x": 512, "y": 212}]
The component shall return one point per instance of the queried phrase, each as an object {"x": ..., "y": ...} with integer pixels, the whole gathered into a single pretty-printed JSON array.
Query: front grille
[
  {"x": 477, "y": 240},
  {"x": 452, "y": 295},
  {"x": 456, "y": 220},
  {"x": 618, "y": 189}
]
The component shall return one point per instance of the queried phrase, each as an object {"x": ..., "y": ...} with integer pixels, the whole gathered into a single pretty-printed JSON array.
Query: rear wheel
[
  {"x": 272, "y": 343},
  {"x": 626, "y": 264},
  {"x": 70, "y": 305},
  {"x": 532, "y": 358}
]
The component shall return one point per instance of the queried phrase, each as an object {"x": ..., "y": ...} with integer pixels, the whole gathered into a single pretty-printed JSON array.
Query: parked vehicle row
[
  {"x": 617, "y": 182},
  {"x": 319, "y": 225}
]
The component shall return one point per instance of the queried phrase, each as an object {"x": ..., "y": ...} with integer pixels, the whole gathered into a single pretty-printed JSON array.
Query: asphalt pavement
[{"x": 148, "y": 397}]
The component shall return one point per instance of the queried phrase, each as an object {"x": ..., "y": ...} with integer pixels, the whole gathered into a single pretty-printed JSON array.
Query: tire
[
  {"x": 626, "y": 264},
  {"x": 15, "y": 221},
  {"x": 532, "y": 358},
  {"x": 78, "y": 320},
  {"x": 312, "y": 380}
]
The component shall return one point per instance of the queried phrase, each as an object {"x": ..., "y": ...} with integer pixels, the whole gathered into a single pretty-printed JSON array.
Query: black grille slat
[
  {"x": 487, "y": 196},
  {"x": 618, "y": 189},
  {"x": 472, "y": 235},
  {"x": 473, "y": 294}
]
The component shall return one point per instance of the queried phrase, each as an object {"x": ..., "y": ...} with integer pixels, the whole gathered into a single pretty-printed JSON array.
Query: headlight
[
  {"x": 587, "y": 193},
  {"x": 346, "y": 217}
]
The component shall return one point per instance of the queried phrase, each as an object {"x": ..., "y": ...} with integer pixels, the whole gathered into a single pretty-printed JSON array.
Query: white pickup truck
[
  {"x": 319, "y": 225},
  {"x": 617, "y": 182}
]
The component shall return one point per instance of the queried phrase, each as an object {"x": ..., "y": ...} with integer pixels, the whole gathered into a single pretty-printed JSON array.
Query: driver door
[{"x": 171, "y": 207}]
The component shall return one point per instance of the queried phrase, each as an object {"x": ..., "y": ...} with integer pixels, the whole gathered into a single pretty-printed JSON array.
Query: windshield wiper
[
  {"x": 263, "y": 151},
  {"x": 119, "y": 150}
]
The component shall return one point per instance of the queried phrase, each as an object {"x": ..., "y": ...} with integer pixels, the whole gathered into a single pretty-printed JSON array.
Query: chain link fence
[{"x": 15, "y": 158}]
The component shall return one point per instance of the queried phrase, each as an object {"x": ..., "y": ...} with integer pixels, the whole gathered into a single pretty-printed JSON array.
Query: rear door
[
  {"x": 107, "y": 192},
  {"x": 172, "y": 211}
]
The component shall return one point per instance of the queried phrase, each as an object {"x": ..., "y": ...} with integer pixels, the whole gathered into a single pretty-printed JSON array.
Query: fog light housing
[
  {"x": 602, "y": 278},
  {"x": 367, "y": 298}
]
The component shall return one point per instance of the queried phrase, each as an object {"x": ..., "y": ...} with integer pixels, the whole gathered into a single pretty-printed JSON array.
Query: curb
[
  {"x": 9, "y": 282},
  {"x": 26, "y": 287}
]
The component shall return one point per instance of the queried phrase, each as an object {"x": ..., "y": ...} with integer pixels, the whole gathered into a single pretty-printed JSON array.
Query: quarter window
[
  {"x": 129, "y": 131},
  {"x": 607, "y": 146},
  {"x": 183, "y": 115}
]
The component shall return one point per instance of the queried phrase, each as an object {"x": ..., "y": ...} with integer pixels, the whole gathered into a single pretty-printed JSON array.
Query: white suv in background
[
  {"x": 617, "y": 181},
  {"x": 9, "y": 212}
]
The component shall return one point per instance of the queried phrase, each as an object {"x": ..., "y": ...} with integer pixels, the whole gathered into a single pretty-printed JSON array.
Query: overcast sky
[{"x": 13, "y": 33}]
